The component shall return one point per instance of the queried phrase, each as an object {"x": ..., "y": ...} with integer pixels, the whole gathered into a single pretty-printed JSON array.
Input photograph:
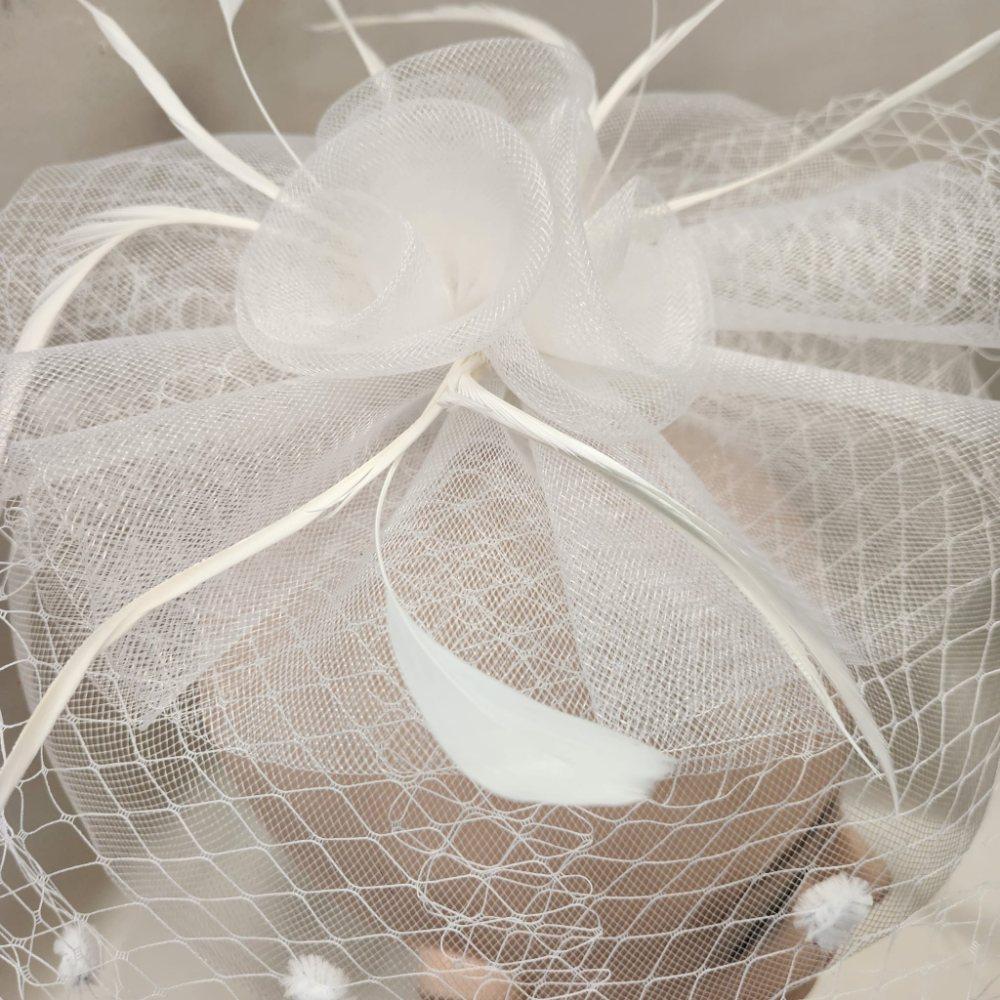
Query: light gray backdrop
[{"x": 64, "y": 95}]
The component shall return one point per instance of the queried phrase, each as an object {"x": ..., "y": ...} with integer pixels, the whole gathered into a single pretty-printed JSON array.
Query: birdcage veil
[{"x": 515, "y": 543}]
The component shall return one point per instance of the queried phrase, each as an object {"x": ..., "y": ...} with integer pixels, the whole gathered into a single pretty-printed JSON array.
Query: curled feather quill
[
  {"x": 847, "y": 131},
  {"x": 808, "y": 648},
  {"x": 373, "y": 63},
  {"x": 180, "y": 117},
  {"x": 464, "y": 13},
  {"x": 230, "y": 8},
  {"x": 647, "y": 60},
  {"x": 105, "y": 232},
  {"x": 102, "y": 234}
]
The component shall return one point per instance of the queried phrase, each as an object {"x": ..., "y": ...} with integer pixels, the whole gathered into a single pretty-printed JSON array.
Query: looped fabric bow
[{"x": 457, "y": 204}]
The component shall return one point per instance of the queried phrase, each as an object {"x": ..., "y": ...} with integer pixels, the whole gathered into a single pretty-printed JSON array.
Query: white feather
[
  {"x": 645, "y": 62},
  {"x": 504, "y": 741},
  {"x": 368, "y": 55},
  {"x": 847, "y": 131},
  {"x": 173, "y": 107},
  {"x": 829, "y": 912},
  {"x": 465, "y": 13},
  {"x": 311, "y": 977},
  {"x": 230, "y": 8},
  {"x": 633, "y": 112},
  {"x": 107, "y": 231},
  {"x": 79, "y": 954},
  {"x": 56, "y": 294},
  {"x": 808, "y": 648}
]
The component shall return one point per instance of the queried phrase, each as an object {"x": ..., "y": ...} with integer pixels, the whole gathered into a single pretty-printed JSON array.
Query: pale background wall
[{"x": 65, "y": 96}]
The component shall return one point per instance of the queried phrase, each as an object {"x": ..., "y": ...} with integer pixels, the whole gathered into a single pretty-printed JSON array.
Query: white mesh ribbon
[{"x": 800, "y": 363}]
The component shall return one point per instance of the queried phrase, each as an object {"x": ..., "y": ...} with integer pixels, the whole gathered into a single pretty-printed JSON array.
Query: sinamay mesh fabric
[{"x": 802, "y": 362}]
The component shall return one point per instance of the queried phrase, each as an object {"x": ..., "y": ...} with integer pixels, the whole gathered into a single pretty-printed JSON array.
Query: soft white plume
[
  {"x": 311, "y": 977},
  {"x": 808, "y": 648},
  {"x": 506, "y": 742},
  {"x": 79, "y": 954},
  {"x": 829, "y": 912}
]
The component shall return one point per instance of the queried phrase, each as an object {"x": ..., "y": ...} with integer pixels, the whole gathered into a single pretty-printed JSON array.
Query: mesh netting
[{"x": 804, "y": 363}]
